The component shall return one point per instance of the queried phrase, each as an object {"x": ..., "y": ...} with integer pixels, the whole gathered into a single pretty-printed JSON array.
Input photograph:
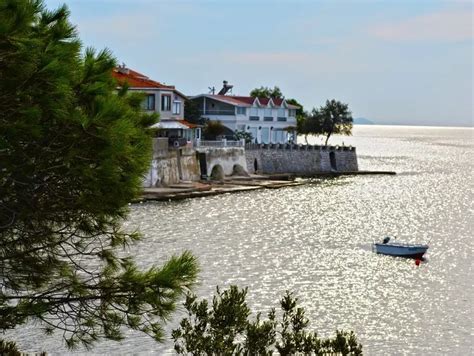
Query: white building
[{"x": 268, "y": 120}]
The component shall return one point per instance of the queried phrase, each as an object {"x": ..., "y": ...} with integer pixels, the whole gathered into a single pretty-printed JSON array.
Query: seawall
[
  {"x": 299, "y": 159},
  {"x": 172, "y": 165}
]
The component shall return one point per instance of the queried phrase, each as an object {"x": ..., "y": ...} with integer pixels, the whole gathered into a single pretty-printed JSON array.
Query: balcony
[{"x": 218, "y": 112}]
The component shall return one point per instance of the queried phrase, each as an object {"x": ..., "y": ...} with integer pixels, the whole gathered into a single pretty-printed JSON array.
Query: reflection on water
[{"x": 315, "y": 240}]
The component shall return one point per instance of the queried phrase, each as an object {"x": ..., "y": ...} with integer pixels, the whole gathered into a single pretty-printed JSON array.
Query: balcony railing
[
  {"x": 254, "y": 118},
  {"x": 218, "y": 112},
  {"x": 268, "y": 118},
  {"x": 281, "y": 119}
]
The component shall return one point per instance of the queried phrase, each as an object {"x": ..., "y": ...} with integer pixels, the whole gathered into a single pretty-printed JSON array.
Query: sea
[{"x": 315, "y": 240}]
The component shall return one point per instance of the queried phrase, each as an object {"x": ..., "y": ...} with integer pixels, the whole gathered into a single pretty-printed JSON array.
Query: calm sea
[{"x": 315, "y": 240}]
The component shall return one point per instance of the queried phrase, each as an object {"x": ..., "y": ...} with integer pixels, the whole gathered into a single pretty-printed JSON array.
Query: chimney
[{"x": 225, "y": 88}]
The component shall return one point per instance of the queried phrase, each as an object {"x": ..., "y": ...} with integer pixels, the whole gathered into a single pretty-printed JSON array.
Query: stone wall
[
  {"x": 170, "y": 166},
  {"x": 229, "y": 158},
  {"x": 299, "y": 159}
]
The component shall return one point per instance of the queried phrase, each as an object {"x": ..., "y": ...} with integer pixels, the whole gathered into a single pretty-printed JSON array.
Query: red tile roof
[
  {"x": 189, "y": 124},
  {"x": 249, "y": 100},
  {"x": 237, "y": 99},
  {"x": 277, "y": 101},
  {"x": 137, "y": 80}
]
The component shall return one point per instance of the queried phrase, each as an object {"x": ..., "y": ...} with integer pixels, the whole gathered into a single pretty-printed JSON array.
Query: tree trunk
[{"x": 327, "y": 138}]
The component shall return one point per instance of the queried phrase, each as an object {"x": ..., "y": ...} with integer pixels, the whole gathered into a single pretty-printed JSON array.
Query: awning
[{"x": 174, "y": 125}]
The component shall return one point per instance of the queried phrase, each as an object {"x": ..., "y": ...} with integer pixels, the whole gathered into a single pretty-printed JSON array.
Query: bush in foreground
[{"x": 224, "y": 328}]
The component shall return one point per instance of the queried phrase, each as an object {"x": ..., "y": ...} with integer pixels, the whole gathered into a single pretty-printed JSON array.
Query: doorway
[{"x": 332, "y": 159}]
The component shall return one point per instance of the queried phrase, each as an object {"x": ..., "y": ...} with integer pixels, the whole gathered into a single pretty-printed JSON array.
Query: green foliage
[
  {"x": 267, "y": 92},
  {"x": 212, "y": 129},
  {"x": 9, "y": 348},
  {"x": 224, "y": 328},
  {"x": 336, "y": 119},
  {"x": 300, "y": 111},
  {"x": 333, "y": 118},
  {"x": 73, "y": 152},
  {"x": 192, "y": 113},
  {"x": 247, "y": 136},
  {"x": 310, "y": 124}
]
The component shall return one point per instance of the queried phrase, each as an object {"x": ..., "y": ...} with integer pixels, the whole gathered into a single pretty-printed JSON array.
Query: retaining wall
[
  {"x": 228, "y": 158},
  {"x": 170, "y": 166}
]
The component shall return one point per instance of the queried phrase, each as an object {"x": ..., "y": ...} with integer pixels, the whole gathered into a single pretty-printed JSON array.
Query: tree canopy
[
  {"x": 267, "y": 92},
  {"x": 212, "y": 129},
  {"x": 73, "y": 152},
  {"x": 335, "y": 118},
  {"x": 332, "y": 118},
  {"x": 191, "y": 112}
]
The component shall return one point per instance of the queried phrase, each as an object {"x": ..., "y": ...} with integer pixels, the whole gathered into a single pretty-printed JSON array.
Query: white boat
[{"x": 400, "y": 249}]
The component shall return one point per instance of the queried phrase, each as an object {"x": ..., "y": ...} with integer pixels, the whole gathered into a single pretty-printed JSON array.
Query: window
[
  {"x": 166, "y": 103},
  {"x": 253, "y": 112},
  {"x": 279, "y": 136},
  {"x": 281, "y": 112},
  {"x": 241, "y": 111},
  {"x": 176, "y": 107},
  {"x": 149, "y": 102},
  {"x": 254, "y": 132},
  {"x": 292, "y": 112},
  {"x": 265, "y": 135},
  {"x": 267, "y": 112}
]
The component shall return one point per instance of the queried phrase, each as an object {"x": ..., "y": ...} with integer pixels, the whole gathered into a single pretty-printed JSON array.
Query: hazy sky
[{"x": 400, "y": 61}]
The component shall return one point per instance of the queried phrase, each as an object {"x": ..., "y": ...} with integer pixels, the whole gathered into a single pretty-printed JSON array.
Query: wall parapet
[{"x": 290, "y": 146}]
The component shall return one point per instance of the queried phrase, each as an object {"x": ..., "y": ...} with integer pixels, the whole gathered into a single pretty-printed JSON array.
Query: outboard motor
[{"x": 386, "y": 240}]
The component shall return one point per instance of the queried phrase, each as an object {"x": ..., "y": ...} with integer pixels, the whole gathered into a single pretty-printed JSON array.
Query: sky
[{"x": 393, "y": 61}]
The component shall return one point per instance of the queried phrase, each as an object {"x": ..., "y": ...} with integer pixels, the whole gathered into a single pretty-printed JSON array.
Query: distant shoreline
[{"x": 414, "y": 126}]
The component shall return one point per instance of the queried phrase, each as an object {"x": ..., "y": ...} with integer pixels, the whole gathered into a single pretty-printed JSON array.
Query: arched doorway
[
  {"x": 217, "y": 172},
  {"x": 238, "y": 170},
  {"x": 255, "y": 165},
  {"x": 332, "y": 159},
  {"x": 202, "y": 164}
]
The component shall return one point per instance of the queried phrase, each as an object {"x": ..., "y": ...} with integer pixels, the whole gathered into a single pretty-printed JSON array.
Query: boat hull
[{"x": 399, "y": 250}]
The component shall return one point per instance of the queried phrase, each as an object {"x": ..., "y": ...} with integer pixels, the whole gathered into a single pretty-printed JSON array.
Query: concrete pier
[{"x": 239, "y": 184}]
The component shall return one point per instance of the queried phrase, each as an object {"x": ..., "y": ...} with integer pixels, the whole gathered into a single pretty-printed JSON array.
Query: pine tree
[{"x": 72, "y": 155}]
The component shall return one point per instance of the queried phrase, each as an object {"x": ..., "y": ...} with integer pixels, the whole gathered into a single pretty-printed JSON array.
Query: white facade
[{"x": 266, "y": 120}]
